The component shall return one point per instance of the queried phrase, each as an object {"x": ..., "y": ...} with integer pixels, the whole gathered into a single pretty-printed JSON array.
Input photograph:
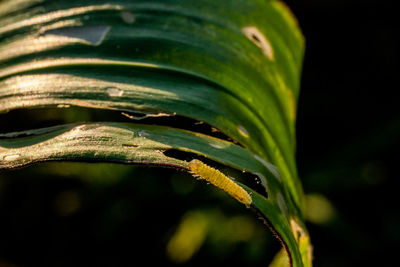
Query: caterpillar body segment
[{"x": 220, "y": 180}]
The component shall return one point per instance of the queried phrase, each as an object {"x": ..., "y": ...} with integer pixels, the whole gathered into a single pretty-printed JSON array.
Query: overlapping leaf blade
[{"x": 237, "y": 71}]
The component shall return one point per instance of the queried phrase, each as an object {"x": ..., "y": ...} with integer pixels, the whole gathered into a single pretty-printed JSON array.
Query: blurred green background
[{"x": 91, "y": 214}]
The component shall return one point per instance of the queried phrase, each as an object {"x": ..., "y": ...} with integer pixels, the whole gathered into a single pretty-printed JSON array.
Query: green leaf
[
  {"x": 144, "y": 144},
  {"x": 233, "y": 66}
]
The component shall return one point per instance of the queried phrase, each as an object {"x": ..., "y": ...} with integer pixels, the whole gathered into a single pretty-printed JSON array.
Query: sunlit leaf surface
[{"x": 233, "y": 65}]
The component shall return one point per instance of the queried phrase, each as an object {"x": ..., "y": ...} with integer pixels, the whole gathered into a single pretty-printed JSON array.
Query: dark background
[
  {"x": 348, "y": 127},
  {"x": 347, "y": 142}
]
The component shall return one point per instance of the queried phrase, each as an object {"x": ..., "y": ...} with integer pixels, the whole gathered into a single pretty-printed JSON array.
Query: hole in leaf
[
  {"x": 255, "y": 38},
  {"x": 92, "y": 34}
]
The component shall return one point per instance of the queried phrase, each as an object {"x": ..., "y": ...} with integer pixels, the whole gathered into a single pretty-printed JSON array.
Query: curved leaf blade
[
  {"x": 237, "y": 71},
  {"x": 144, "y": 144}
]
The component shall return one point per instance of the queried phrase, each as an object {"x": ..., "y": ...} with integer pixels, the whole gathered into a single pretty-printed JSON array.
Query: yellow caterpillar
[{"x": 217, "y": 178}]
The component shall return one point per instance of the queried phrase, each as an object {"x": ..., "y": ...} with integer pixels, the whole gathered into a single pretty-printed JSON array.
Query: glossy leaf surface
[{"x": 233, "y": 66}]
